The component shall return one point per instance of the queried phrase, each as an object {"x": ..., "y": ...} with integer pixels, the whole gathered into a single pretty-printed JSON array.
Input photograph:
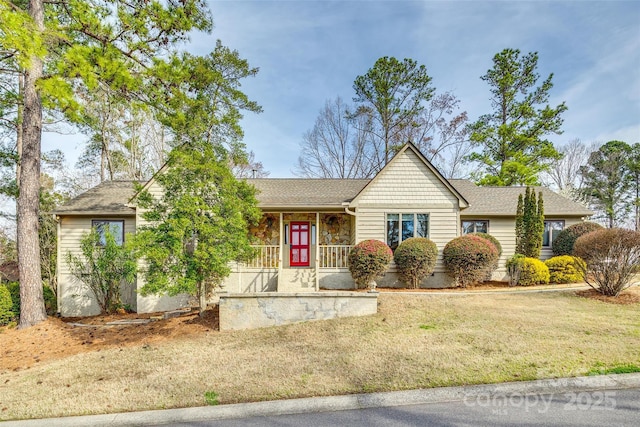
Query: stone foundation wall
[{"x": 250, "y": 311}]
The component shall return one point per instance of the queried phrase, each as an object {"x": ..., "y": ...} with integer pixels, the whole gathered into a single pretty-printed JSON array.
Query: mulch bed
[{"x": 624, "y": 298}]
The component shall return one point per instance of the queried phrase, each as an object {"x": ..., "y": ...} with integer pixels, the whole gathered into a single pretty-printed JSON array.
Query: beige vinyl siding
[
  {"x": 371, "y": 224},
  {"x": 406, "y": 181},
  {"x": 156, "y": 192},
  {"x": 503, "y": 229},
  {"x": 77, "y": 299}
]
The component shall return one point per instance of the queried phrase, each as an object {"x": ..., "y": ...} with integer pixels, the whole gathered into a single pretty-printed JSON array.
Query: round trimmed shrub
[
  {"x": 469, "y": 258},
  {"x": 533, "y": 272},
  {"x": 565, "y": 269},
  {"x": 565, "y": 240},
  {"x": 6, "y": 306},
  {"x": 415, "y": 258},
  {"x": 367, "y": 260},
  {"x": 612, "y": 257},
  {"x": 492, "y": 239}
]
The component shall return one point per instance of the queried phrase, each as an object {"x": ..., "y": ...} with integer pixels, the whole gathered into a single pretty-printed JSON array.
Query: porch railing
[
  {"x": 267, "y": 256},
  {"x": 334, "y": 256}
]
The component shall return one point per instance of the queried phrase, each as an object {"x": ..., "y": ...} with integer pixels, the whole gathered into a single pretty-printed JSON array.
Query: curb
[{"x": 341, "y": 403}]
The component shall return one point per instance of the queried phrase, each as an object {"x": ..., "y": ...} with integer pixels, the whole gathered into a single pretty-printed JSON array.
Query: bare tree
[
  {"x": 249, "y": 167},
  {"x": 564, "y": 174},
  {"x": 346, "y": 145},
  {"x": 440, "y": 132},
  {"x": 340, "y": 145}
]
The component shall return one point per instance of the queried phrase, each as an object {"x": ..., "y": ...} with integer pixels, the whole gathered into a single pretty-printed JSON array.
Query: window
[
  {"x": 401, "y": 227},
  {"x": 475, "y": 226},
  {"x": 551, "y": 230},
  {"x": 115, "y": 227}
]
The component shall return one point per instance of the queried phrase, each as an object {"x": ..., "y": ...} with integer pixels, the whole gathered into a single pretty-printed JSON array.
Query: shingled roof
[
  {"x": 111, "y": 197},
  {"x": 292, "y": 192},
  {"x": 107, "y": 198},
  {"x": 503, "y": 201}
]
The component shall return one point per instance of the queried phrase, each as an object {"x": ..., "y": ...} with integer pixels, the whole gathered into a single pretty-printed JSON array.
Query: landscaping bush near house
[
  {"x": 563, "y": 243},
  {"x": 469, "y": 258},
  {"x": 6, "y": 306},
  {"x": 498, "y": 246},
  {"x": 103, "y": 267},
  {"x": 565, "y": 269},
  {"x": 526, "y": 271},
  {"x": 492, "y": 239},
  {"x": 367, "y": 260},
  {"x": 612, "y": 258},
  {"x": 514, "y": 268},
  {"x": 416, "y": 259}
]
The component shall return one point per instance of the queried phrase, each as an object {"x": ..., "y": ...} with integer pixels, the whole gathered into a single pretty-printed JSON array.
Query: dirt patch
[
  {"x": 59, "y": 338},
  {"x": 630, "y": 296}
]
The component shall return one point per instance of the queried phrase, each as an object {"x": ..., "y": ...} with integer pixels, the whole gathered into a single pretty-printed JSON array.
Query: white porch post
[
  {"x": 280, "y": 251},
  {"x": 317, "y": 251}
]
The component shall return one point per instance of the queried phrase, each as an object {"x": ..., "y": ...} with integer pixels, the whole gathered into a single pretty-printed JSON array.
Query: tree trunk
[{"x": 32, "y": 309}]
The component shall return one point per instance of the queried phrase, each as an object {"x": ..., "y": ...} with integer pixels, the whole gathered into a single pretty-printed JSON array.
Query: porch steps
[{"x": 297, "y": 280}]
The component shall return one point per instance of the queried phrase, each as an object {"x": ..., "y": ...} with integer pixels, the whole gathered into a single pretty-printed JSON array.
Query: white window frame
[
  {"x": 415, "y": 225},
  {"x": 545, "y": 231},
  {"x": 462, "y": 221}
]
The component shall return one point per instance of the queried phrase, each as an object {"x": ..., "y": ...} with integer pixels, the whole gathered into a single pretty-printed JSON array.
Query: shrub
[
  {"x": 565, "y": 269},
  {"x": 612, "y": 257},
  {"x": 492, "y": 239},
  {"x": 498, "y": 246},
  {"x": 514, "y": 268},
  {"x": 6, "y": 305},
  {"x": 564, "y": 241},
  {"x": 50, "y": 301},
  {"x": 415, "y": 258},
  {"x": 103, "y": 268},
  {"x": 468, "y": 258},
  {"x": 14, "y": 290},
  {"x": 367, "y": 260},
  {"x": 532, "y": 272}
]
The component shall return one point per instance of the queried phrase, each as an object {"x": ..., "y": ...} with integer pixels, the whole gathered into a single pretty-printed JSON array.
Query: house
[{"x": 309, "y": 226}]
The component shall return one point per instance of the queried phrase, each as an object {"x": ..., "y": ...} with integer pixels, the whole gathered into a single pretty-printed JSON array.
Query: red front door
[{"x": 299, "y": 238}]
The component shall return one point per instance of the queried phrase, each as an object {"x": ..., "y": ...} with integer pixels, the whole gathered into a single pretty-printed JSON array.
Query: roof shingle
[
  {"x": 107, "y": 198},
  {"x": 111, "y": 197}
]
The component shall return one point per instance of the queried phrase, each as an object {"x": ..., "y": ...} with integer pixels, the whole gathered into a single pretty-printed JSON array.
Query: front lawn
[{"x": 414, "y": 341}]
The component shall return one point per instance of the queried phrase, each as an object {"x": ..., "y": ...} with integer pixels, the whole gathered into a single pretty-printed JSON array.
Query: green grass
[
  {"x": 620, "y": 369},
  {"x": 415, "y": 341},
  {"x": 211, "y": 397}
]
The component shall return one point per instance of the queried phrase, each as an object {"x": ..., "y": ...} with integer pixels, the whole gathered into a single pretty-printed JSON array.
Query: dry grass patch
[{"x": 470, "y": 339}]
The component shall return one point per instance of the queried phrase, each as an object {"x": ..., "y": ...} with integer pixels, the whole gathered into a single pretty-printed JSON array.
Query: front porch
[{"x": 297, "y": 252}]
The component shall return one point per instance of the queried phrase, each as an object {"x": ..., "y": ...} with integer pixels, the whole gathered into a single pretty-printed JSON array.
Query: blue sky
[{"x": 311, "y": 51}]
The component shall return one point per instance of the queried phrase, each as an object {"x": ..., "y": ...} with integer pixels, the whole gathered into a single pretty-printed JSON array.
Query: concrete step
[{"x": 297, "y": 280}]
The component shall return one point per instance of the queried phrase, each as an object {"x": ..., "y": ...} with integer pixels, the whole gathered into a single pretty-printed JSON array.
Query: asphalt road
[{"x": 584, "y": 408}]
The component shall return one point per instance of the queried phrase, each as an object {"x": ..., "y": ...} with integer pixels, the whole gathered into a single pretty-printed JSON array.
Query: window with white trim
[
  {"x": 475, "y": 226},
  {"x": 403, "y": 226},
  {"x": 115, "y": 227},
  {"x": 551, "y": 230}
]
